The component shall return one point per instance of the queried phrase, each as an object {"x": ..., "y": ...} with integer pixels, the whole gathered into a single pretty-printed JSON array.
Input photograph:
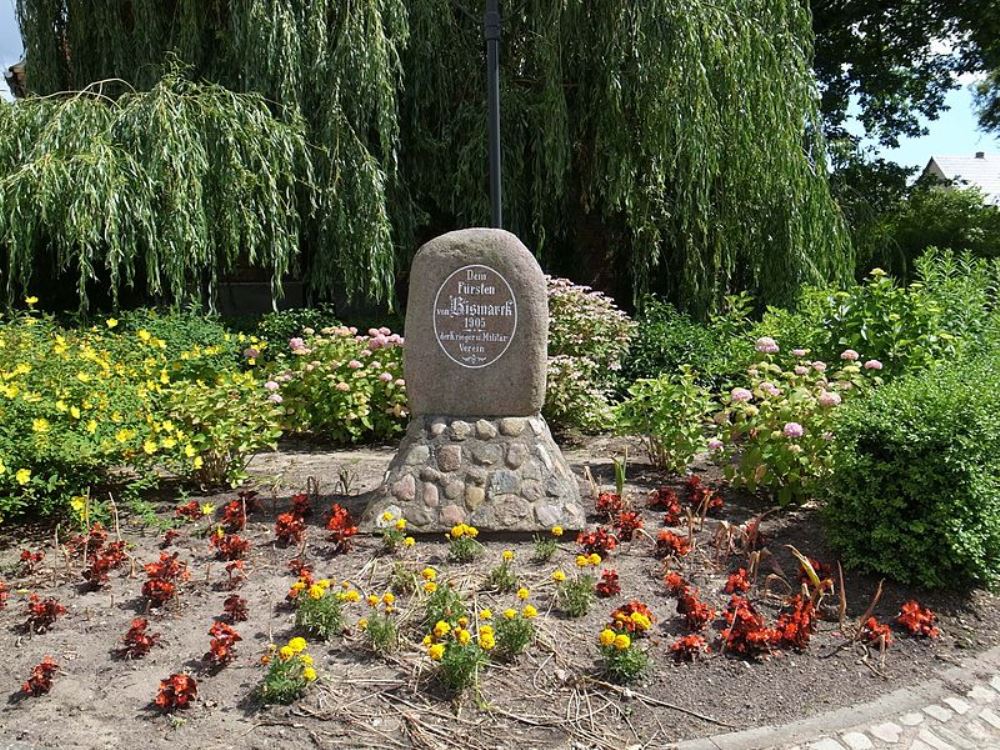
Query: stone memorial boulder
[{"x": 477, "y": 450}]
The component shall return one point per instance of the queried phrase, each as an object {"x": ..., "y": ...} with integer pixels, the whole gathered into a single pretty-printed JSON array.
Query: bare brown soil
[{"x": 553, "y": 696}]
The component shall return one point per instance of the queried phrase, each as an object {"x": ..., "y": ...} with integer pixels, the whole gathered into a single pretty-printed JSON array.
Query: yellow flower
[
  {"x": 430, "y": 587},
  {"x": 297, "y": 645},
  {"x": 486, "y": 628},
  {"x": 316, "y": 592},
  {"x": 558, "y": 576},
  {"x": 207, "y": 509},
  {"x": 622, "y": 641},
  {"x": 389, "y": 598},
  {"x": 31, "y": 301},
  {"x": 523, "y": 593},
  {"x": 508, "y": 555},
  {"x": 372, "y": 600},
  {"x": 428, "y": 574},
  {"x": 298, "y": 585},
  {"x": 486, "y": 615},
  {"x": 40, "y": 425},
  {"x": 641, "y": 621},
  {"x": 78, "y": 504},
  {"x": 557, "y": 531},
  {"x": 409, "y": 541},
  {"x": 457, "y": 531},
  {"x": 92, "y": 426},
  {"x": 400, "y": 524},
  {"x": 309, "y": 674},
  {"x": 428, "y": 640},
  {"x": 144, "y": 335},
  {"x": 23, "y": 476},
  {"x": 529, "y": 612},
  {"x": 74, "y": 411},
  {"x": 150, "y": 446},
  {"x": 486, "y": 641},
  {"x": 464, "y": 636},
  {"x": 472, "y": 531},
  {"x": 436, "y": 651},
  {"x": 441, "y": 629},
  {"x": 594, "y": 559},
  {"x": 463, "y": 622},
  {"x": 607, "y": 637},
  {"x": 510, "y": 614},
  {"x": 324, "y": 582},
  {"x": 387, "y": 516},
  {"x": 363, "y": 623},
  {"x": 111, "y": 322},
  {"x": 352, "y": 596},
  {"x": 285, "y": 653}
]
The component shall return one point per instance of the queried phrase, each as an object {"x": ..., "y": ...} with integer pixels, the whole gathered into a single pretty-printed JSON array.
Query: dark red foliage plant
[
  {"x": 163, "y": 577},
  {"x": 236, "y": 575},
  {"x": 797, "y": 625},
  {"x": 177, "y": 691},
  {"x": 609, "y": 504},
  {"x": 599, "y": 541},
  {"x": 697, "y": 614},
  {"x": 873, "y": 631},
  {"x": 42, "y": 613},
  {"x": 29, "y": 561},
  {"x": 190, "y": 511},
  {"x": 738, "y": 582},
  {"x": 675, "y": 583},
  {"x": 102, "y": 561},
  {"x": 289, "y": 528},
  {"x": 301, "y": 505},
  {"x": 40, "y": 681},
  {"x": 168, "y": 538},
  {"x": 747, "y": 634},
  {"x": 669, "y": 544},
  {"x": 229, "y": 546},
  {"x": 235, "y": 608},
  {"x": 234, "y": 516},
  {"x": 341, "y": 527},
  {"x": 608, "y": 585},
  {"x": 917, "y": 619},
  {"x": 222, "y": 648},
  {"x": 138, "y": 641},
  {"x": 689, "y": 647},
  {"x": 701, "y": 497},
  {"x": 626, "y": 524},
  {"x": 4, "y": 594},
  {"x": 300, "y": 569},
  {"x": 666, "y": 499}
]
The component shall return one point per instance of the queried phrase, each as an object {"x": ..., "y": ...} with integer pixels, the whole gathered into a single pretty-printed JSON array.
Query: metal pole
[{"x": 492, "y": 34}]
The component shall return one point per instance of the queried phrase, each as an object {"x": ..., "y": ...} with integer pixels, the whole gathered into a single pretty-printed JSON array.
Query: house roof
[{"x": 981, "y": 170}]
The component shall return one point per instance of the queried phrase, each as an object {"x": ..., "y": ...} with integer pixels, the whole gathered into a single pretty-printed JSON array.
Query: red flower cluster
[
  {"x": 102, "y": 558},
  {"x": 137, "y": 641},
  {"x": 621, "y": 618},
  {"x": 342, "y": 527},
  {"x": 688, "y": 647},
  {"x": 234, "y": 516},
  {"x": 747, "y": 633},
  {"x": 29, "y": 560},
  {"x": 608, "y": 585},
  {"x": 4, "y": 594},
  {"x": 696, "y": 613},
  {"x": 222, "y": 648},
  {"x": 738, "y": 582},
  {"x": 300, "y": 569},
  {"x": 169, "y": 538},
  {"x": 234, "y": 570},
  {"x": 40, "y": 681},
  {"x": 235, "y": 608},
  {"x": 301, "y": 506},
  {"x": 666, "y": 499},
  {"x": 599, "y": 541},
  {"x": 701, "y": 496},
  {"x": 230, "y": 546},
  {"x": 675, "y": 583},
  {"x": 42, "y": 613},
  {"x": 627, "y": 523},
  {"x": 289, "y": 528},
  {"x": 190, "y": 510},
  {"x": 163, "y": 577},
  {"x": 874, "y": 631},
  {"x": 795, "y": 627},
  {"x": 670, "y": 544},
  {"x": 917, "y": 620},
  {"x": 609, "y": 504},
  {"x": 177, "y": 691}
]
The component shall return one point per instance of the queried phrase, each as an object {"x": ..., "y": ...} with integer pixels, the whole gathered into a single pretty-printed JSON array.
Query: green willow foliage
[
  {"x": 329, "y": 63},
  {"x": 677, "y": 139},
  {"x": 173, "y": 185}
]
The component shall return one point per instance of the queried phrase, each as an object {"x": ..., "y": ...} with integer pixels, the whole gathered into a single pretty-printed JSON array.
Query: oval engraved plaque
[{"x": 475, "y": 316}]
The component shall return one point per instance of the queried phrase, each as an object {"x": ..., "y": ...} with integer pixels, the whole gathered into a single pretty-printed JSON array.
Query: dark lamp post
[{"x": 491, "y": 31}]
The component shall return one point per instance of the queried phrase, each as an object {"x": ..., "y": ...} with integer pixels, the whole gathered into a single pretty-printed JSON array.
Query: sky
[{"x": 954, "y": 133}]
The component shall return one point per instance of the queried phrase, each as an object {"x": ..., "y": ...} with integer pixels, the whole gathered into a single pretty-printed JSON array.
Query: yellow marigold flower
[
  {"x": 309, "y": 674},
  {"x": 582, "y": 561},
  {"x": 487, "y": 628},
  {"x": 640, "y": 621},
  {"x": 285, "y": 653},
  {"x": 463, "y": 622},
  {"x": 487, "y": 642},
  {"x": 409, "y": 541},
  {"x": 389, "y": 598},
  {"x": 507, "y": 555},
  {"x": 111, "y": 323},
  {"x": 23, "y": 476},
  {"x": 316, "y": 592},
  {"x": 441, "y": 629},
  {"x": 607, "y": 637},
  {"x": 558, "y": 576},
  {"x": 324, "y": 582},
  {"x": 457, "y": 531},
  {"x": 472, "y": 531},
  {"x": 400, "y": 524},
  {"x": 430, "y": 587},
  {"x": 352, "y": 596},
  {"x": 306, "y": 659},
  {"x": 510, "y": 614},
  {"x": 594, "y": 559},
  {"x": 486, "y": 614},
  {"x": 363, "y": 623},
  {"x": 436, "y": 651},
  {"x": 297, "y": 644},
  {"x": 387, "y": 516},
  {"x": 557, "y": 531},
  {"x": 622, "y": 641},
  {"x": 529, "y": 612},
  {"x": 428, "y": 574},
  {"x": 463, "y": 636},
  {"x": 427, "y": 641},
  {"x": 298, "y": 585},
  {"x": 523, "y": 593},
  {"x": 372, "y": 600}
]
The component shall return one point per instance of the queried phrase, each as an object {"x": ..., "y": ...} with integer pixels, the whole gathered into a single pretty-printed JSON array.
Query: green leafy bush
[
  {"x": 669, "y": 413},
  {"x": 915, "y": 491},
  {"x": 276, "y": 328},
  {"x": 588, "y": 341}
]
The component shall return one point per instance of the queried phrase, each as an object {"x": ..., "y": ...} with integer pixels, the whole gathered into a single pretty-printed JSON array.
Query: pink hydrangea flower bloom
[
  {"x": 296, "y": 344},
  {"x": 801, "y": 369},
  {"x": 384, "y": 331},
  {"x": 800, "y": 352},
  {"x": 343, "y": 387},
  {"x": 850, "y": 355},
  {"x": 740, "y": 395},
  {"x": 385, "y": 377},
  {"x": 271, "y": 385},
  {"x": 767, "y": 345},
  {"x": 715, "y": 445},
  {"x": 275, "y": 398},
  {"x": 400, "y": 382},
  {"x": 794, "y": 430},
  {"x": 819, "y": 366},
  {"x": 355, "y": 365},
  {"x": 873, "y": 364},
  {"x": 829, "y": 398}
]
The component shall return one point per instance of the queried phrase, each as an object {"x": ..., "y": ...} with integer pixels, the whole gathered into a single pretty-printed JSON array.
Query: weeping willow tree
[
  {"x": 673, "y": 144},
  {"x": 330, "y": 65}
]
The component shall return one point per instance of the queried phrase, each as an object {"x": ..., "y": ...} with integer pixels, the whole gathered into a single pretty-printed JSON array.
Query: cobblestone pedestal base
[{"x": 497, "y": 474}]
